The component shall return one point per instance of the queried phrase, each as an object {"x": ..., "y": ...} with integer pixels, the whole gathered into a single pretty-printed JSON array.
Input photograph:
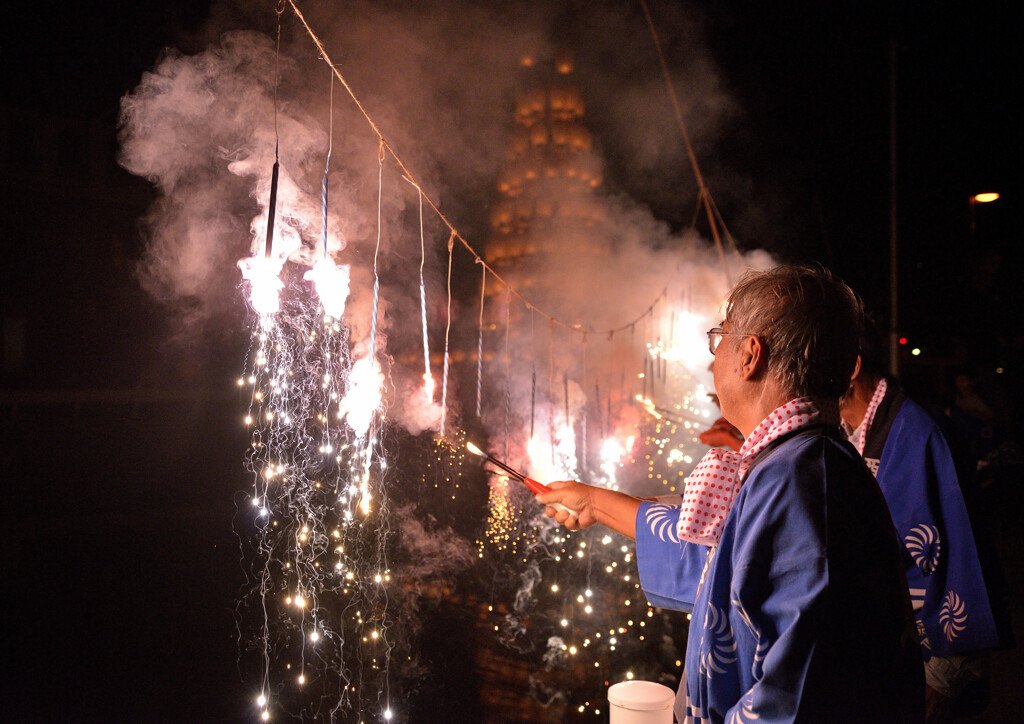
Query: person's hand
[
  {"x": 722, "y": 434},
  {"x": 575, "y": 498}
]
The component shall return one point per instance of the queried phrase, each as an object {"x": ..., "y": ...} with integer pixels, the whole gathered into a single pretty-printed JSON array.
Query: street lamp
[{"x": 982, "y": 198}]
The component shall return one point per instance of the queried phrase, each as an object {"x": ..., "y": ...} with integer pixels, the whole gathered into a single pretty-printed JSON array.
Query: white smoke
[
  {"x": 435, "y": 552},
  {"x": 438, "y": 79}
]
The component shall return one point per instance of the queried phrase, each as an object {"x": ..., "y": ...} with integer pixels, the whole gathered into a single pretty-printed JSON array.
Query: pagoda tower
[{"x": 546, "y": 188}]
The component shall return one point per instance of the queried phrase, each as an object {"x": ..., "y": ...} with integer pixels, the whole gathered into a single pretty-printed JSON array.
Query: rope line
[
  {"x": 704, "y": 195},
  {"x": 455, "y": 235}
]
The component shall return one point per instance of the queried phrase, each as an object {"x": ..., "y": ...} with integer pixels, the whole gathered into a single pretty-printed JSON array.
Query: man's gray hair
[{"x": 810, "y": 323}]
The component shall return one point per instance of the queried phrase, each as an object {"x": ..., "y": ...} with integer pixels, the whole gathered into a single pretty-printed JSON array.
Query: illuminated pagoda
[{"x": 546, "y": 186}]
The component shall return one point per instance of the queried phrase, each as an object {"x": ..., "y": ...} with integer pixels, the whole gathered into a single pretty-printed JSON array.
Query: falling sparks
[
  {"x": 316, "y": 553},
  {"x": 590, "y": 605}
]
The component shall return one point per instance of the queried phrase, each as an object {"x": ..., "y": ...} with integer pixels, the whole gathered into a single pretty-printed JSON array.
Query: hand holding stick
[{"x": 535, "y": 487}]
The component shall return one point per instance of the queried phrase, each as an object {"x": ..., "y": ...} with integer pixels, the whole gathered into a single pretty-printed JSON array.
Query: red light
[{"x": 903, "y": 340}]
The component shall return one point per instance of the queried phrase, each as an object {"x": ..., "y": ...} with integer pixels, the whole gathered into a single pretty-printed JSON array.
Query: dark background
[{"x": 121, "y": 456}]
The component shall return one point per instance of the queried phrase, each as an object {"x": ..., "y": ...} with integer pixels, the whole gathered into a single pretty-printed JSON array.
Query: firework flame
[
  {"x": 265, "y": 283},
  {"x": 363, "y": 399},
  {"x": 429, "y": 386},
  {"x": 691, "y": 344},
  {"x": 332, "y": 285},
  {"x": 612, "y": 452}
]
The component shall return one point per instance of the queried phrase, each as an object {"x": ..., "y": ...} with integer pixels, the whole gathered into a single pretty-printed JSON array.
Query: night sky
[
  {"x": 119, "y": 561},
  {"x": 810, "y": 141}
]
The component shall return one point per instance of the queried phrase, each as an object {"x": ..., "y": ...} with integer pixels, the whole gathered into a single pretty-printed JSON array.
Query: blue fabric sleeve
[{"x": 669, "y": 569}]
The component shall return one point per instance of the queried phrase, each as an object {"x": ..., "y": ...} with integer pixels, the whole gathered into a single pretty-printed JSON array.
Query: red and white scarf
[
  {"x": 715, "y": 482},
  {"x": 860, "y": 435}
]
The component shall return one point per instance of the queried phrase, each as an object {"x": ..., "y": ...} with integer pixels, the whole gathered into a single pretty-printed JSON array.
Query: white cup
[{"x": 640, "y": 702}]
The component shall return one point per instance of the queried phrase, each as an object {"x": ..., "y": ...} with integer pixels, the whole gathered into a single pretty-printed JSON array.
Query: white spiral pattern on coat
[
  {"x": 718, "y": 647},
  {"x": 744, "y": 711},
  {"x": 662, "y": 520},
  {"x": 761, "y": 649},
  {"x": 924, "y": 546},
  {"x": 953, "y": 615}
]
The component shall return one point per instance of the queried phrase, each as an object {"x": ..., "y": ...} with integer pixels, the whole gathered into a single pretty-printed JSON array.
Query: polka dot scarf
[
  {"x": 713, "y": 484},
  {"x": 861, "y": 436}
]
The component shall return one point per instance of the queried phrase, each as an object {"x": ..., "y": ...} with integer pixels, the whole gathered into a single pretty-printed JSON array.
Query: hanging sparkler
[
  {"x": 447, "y": 330},
  {"x": 428, "y": 379},
  {"x": 480, "y": 342},
  {"x": 508, "y": 367},
  {"x": 583, "y": 413}
]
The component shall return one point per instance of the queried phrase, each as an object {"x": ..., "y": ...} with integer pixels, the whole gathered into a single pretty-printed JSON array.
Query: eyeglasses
[{"x": 715, "y": 337}]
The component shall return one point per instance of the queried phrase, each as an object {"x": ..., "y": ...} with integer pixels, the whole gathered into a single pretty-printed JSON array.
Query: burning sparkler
[
  {"x": 263, "y": 275},
  {"x": 332, "y": 285},
  {"x": 535, "y": 487}
]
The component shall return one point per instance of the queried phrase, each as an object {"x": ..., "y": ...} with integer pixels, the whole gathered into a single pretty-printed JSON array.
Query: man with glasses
[{"x": 784, "y": 551}]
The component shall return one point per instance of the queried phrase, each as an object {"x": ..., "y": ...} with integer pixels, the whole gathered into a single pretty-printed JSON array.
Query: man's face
[{"x": 725, "y": 372}]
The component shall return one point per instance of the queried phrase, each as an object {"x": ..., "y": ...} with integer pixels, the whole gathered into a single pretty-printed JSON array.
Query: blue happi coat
[
  {"x": 803, "y": 613},
  {"x": 919, "y": 479}
]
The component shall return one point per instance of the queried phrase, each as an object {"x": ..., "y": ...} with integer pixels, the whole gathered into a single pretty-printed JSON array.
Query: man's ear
[
  {"x": 856, "y": 370},
  {"x": 753, "y": 357}
]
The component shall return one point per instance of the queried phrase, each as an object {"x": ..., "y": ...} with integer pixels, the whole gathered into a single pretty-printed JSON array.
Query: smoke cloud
[{"x": 439, "y": 80}]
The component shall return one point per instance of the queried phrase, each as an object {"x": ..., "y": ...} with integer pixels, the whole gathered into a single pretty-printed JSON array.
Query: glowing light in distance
[
  {"x": 985, "y": 197},
  {"x": 692, "y": 342},
  {"x": 612, "y": 451}
]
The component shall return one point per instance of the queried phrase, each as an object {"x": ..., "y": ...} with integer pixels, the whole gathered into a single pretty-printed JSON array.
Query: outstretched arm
[
  {"x": 722, "y": 433},
  {"x": 610, "y": 508}
]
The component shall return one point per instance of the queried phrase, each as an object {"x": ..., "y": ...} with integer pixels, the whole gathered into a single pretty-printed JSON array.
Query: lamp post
[{"x": 982, "y": 198}]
